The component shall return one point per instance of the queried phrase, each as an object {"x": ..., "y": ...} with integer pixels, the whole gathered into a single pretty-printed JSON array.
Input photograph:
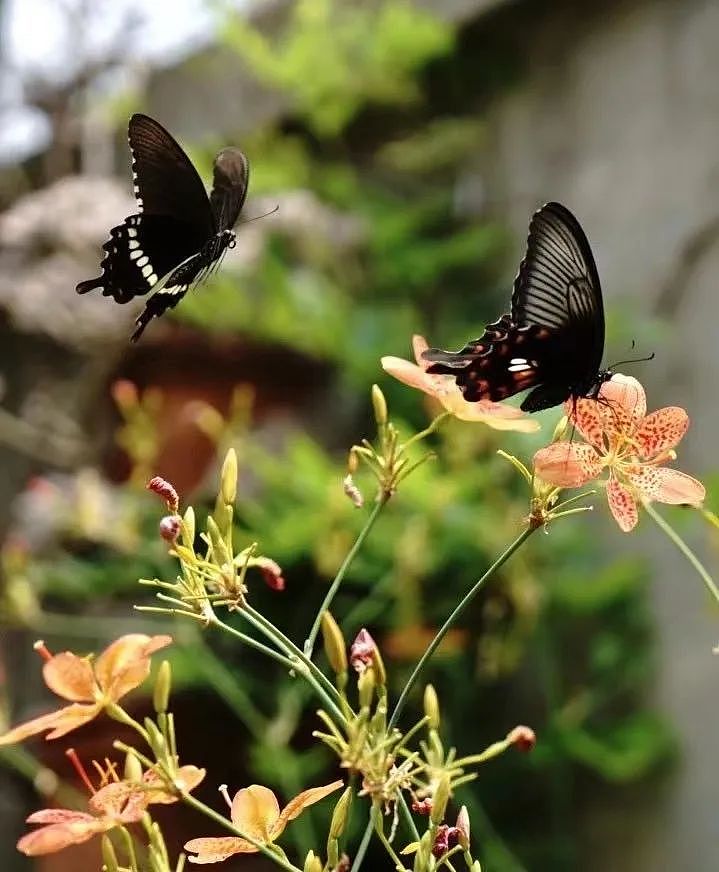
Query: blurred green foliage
[{"x": 562, "y": 640}]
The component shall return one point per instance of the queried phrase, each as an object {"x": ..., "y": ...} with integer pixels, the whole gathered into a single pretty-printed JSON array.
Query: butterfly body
[
  {"x": 178, "y": 233},
  {"x": 553, "y": 339}
]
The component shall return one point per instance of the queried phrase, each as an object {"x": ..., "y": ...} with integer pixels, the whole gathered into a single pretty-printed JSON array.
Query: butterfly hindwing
[
  {"x": 553, "y": 339},
  {"x": 229, "y": 187}
]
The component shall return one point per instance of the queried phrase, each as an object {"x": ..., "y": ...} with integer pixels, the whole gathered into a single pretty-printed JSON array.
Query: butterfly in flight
[
  {"x": 553, "y": 338},
  {"x": 178, "y": 232}
]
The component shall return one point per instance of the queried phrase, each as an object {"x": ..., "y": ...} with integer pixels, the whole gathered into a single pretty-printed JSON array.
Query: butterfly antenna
[
  {"x": 257, "y": 217},
  {"x": 633, "y": 360}
]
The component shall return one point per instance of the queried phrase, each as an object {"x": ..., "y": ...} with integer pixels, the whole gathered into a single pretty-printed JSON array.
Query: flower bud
[
  {"x": 228, "y": 478},
  {"x": 161, "y": 691},
  {"x": 165, "y": 490},
  {"x": 170, "y": 527},
  {"x": 334, "y": 643},
  {"x": 440, "y": 799},
  {"x": 189, "y": 520},
  {"x": 352, "y": 462},
  {"x": 523, "y": 738},
  {"x": 312, "y": 863},
  {"x": 362, "y": 651},
  {"x": 380, "y": 406},
  {"x": 431, "y": 707},
  {"x": 340, "y": 814},
  {"x": 463, "y": 828},
  {"x": 155, "y": 738},
  {"x": 109, "y": 859},
  {"x": 271, "y": 573},
  {"x": 365, "y": 687},
  {"x": 133, "y": 768}
]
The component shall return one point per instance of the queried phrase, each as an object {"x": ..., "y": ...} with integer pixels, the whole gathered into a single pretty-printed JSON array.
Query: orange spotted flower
[
  {"x": 255, "y": 812},
  {"x": 114, "y": 805},
  {"x": 445, "y": 389},
  {"x": 632, "y": 445},
  {"x": 90, "y": 686}
]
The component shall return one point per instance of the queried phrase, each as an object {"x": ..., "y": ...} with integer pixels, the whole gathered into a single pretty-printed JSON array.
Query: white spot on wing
[
  {"x": 131, "y": 232},
  {"x": 143, "y": 260},
  {"x": 132, "y": 244},
  {"x": 146, "y": 270}
]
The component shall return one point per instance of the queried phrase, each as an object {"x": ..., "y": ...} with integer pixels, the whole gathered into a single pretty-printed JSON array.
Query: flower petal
[
  {"x": 60, "y": 722},
  {"x": 214, "y": 850},
  {"x": 186, "y": 779},
  {"x": 70, "y": 677},
  {"x": 622, "y": 505},
  {"x": 57, "y": 836},
  {"x": 668, "y": 486},
  {"x": 661, "y": 431},
  {"x": 255, "y": 811},
  {"x": 419, "y": 346},
  {"x": 123, "y": 801},
  {"x": 495, "y": 415},
  {"x": 125, "y": 663},
  {"x": 300, "y": 802},
  {"x": 587, "y": 416},
  {"x": 58, "y": 816},
  {"x": 567, "y": 464},
  {"x": 624, "y": 403}
]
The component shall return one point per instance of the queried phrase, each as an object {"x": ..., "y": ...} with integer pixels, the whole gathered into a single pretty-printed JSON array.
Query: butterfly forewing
[{"x": 553, "y": 340}]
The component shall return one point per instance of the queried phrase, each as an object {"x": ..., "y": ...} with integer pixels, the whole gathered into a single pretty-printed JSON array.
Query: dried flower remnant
[
  {"x": 166, "y": 491},
  {"x": 271, "y": 573},
  {"x": 255, "y": 811},
  {"x": 631, "y": 445},
  {"x": 89, "y": 686},
  {"x": 444, "y": 389}
]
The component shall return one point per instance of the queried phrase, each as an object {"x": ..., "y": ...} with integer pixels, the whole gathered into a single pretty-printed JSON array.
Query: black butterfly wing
[
  {"x": 553, "y": 340},
  {"x": 174, "y": 219},
  {"x": 229, "y": 187}
]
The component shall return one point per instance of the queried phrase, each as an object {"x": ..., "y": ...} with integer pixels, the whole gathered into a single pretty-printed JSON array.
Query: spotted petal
[
  {"x": 300, "y": 802},
  {"x": 70, "y": 677},
  {"x": 668, "y": 486},
  {"x": 214, "y": 850},
  {"x": 622, "y": 505},
  {"x": 56, "y": 836},
  {"x": 587, "y": 417},
  {"x": 625, "y": 397},
  {"x": 125, "y": 663},
  {"x": 567, "y": 464},
  {"x": 661, "y": 431},
  {"x": 255, "y": 811}
]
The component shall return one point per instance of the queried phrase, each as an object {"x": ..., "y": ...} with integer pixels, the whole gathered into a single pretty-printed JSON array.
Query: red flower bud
[
  {"x": 446, "y": 838},
  {"x": 362, "y": 651},
  {"x": 523, "y": 738},
  {"x": 165, "y": 490},
  {"x": 271, "y": 572},
  {"x": 422, "y": 806},
  {"x": 170, "y": 527}
]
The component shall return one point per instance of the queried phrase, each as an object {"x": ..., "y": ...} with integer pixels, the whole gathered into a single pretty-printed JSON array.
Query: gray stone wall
[{"x": 617, "y": 115}]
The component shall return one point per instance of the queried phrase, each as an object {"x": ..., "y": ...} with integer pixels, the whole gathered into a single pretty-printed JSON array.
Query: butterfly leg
[{"x": 162, "y": 300}]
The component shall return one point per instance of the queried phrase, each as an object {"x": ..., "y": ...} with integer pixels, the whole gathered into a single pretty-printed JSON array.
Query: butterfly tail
[{"x": 89, "y": 285}]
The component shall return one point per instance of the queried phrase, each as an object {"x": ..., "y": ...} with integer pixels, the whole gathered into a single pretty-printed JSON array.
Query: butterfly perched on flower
[
  {"x": 553, "y": 338},
  {"x": 178, "y": 232}
]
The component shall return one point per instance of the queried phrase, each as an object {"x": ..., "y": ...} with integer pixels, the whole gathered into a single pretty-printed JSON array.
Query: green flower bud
[
  {"x": 133, "y": 768},
  {"x": 380, "y": 406},
  {"x": 365, "y": 687},
  {"x": 161, "y": 691},
  {"x": 312, "y": 863},
  {"x": 431, "y": 707},
  {"x": 340, "y": 814},
  {"x": 228, "y": 478},
  {"x": 189, "y": 534},
  {"x": 334, "y": 642},
  {"x": 440, "y": 800}
]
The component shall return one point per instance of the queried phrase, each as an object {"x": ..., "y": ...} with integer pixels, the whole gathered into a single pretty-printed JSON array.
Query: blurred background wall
[{"x": 406, "y": 145}]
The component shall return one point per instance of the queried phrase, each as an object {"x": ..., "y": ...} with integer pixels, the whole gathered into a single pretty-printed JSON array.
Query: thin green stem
[
  {"x": 408, "y": 819},
  {"x": 449, "y": 623},
  {"x": 341, "y": 572},
  {"x": 427, "y": 430},
  {"x": 441, "y": 633},
  {"x": 209, "y": 812},
  {"x": 665, "y": 527},
  {"x": 252, "y": 643},
  {"x": 302, "y": 664},
  {"x": 376, "y": 816}
]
